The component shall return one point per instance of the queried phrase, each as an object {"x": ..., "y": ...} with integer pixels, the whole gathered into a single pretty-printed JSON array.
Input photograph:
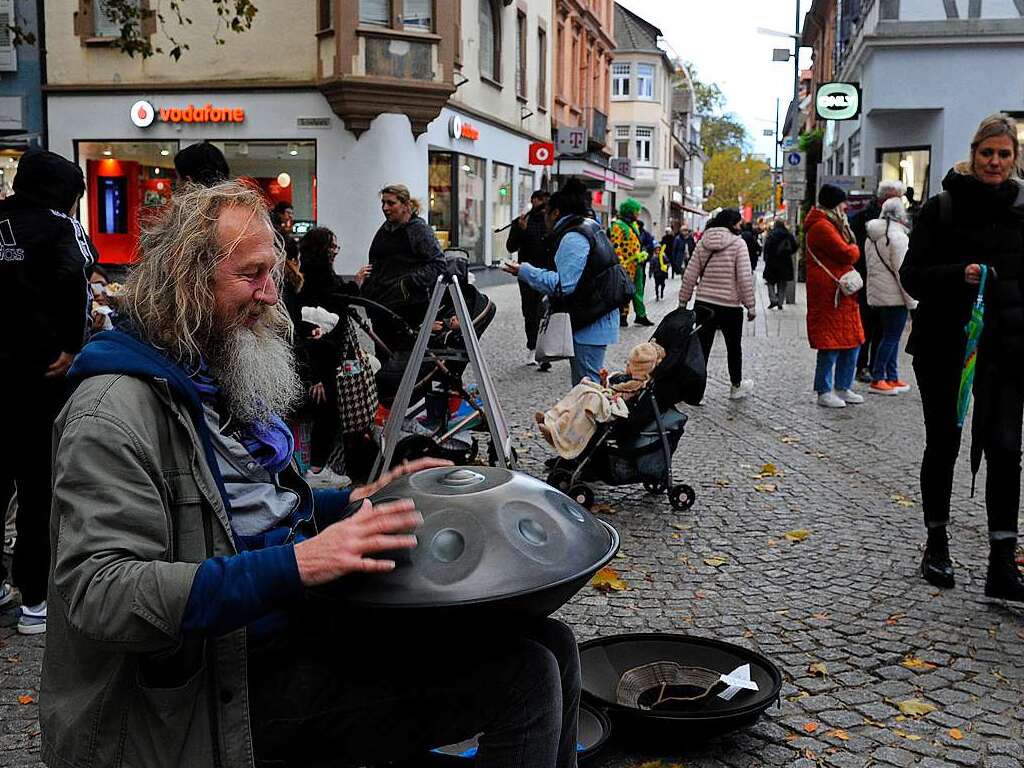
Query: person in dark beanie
[
  {"x": 201, "y": 163},
  {"x": 833, "y": 318},
  {"x": 526, "y": 237},
  {"x": 45, "y": 258}
]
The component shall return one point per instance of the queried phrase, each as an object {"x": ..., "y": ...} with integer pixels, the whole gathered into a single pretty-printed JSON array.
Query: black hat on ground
[
  {"x": 829, "y": 196},
  {"x": 48, "y": 180}
]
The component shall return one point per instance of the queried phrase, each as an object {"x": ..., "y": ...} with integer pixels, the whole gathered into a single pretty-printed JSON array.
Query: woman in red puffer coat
[{"x": 833, "y": 320}]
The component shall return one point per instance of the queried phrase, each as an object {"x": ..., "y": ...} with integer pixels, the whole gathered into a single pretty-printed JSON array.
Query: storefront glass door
[
  {"x": 527, "y": 185},
  {"x": 501, "y": 209},
  {"x": 441, "y": 195},
  {"x": 911, "y": 166},
  {"x": 471, "y": 201}
]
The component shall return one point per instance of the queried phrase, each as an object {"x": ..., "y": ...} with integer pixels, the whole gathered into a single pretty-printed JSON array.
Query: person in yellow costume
[{"x": 625, "y": 236}]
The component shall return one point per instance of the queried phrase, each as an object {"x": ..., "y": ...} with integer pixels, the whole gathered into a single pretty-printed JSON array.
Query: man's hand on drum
[{"x": 405, "y": 468}]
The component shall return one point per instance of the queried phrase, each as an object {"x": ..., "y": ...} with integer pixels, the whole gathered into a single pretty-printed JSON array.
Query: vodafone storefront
[{"x": 126, "y": 147}]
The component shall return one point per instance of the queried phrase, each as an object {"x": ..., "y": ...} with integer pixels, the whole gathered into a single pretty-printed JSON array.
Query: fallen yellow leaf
[
  {"x": 722, "y": 483},
  {"x": 798, "y": 535},
  {"x": 839, "y": 734},
  {"x": 602, "y": 509},
  {"x": 766, "y": 487},
  {"x": 23, "y": 699},
  {"x": 810, "y": 727},
  {"x": 607, "y": 580},
  {"x": 716, "y": 561},
  {"x": 901, "y": 501},
  {"x": 905, "y": 735},
  {"x": 767, "y": 470},
  {"x": 915, "y": 707},
  {"x": 790, "y": 440},
  {"x": 956, "y": 733},
  {"x": 818, "y": 669},
  {"x": 912, "y": 662}
]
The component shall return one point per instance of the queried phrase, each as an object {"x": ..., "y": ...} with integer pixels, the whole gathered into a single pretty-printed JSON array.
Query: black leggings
[
  {"x": 939, "y": 383},
  {"x": 730, "y": 321}
]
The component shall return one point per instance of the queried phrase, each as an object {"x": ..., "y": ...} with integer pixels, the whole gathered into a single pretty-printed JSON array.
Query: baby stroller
[
  {"x": 444, "y": 412},
  {"x": 639, "y": 448}
]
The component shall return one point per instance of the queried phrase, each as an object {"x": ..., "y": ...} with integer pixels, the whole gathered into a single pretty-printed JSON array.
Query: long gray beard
[{"x": 255, "y": 369}]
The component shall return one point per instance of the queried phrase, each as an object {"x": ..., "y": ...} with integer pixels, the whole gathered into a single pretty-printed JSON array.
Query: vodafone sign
[{"x": 143, "y": 113}]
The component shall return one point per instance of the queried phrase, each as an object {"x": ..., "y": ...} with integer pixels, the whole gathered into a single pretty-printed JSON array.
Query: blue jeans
[
  {"x": 587, "y": 360},
  {"x": 893, "y": 320},
  {"x": 844, "y": 361}
]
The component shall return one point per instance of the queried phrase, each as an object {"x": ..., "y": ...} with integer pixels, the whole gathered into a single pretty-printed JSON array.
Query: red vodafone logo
[
  {"x": 542, "y": 153},
  {"x": 143, "y": 113}
]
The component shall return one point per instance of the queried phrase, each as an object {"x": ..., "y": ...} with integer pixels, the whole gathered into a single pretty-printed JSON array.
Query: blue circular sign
[{"x": 793, "y": 158}]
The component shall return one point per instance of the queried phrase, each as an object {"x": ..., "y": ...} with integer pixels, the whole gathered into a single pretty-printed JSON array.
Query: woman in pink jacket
[{"x": 719, "y": 270}]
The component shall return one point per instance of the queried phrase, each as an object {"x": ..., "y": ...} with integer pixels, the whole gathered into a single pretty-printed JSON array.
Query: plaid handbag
[{"x": 357, "y": 388}]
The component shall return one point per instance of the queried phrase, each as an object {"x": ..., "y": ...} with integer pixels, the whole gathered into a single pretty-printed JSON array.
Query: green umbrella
[{"x": 973, "y": 330}]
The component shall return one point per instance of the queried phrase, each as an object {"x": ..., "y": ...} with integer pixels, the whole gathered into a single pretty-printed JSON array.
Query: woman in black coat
[
  {"x": 779, "y": 248},
  {"x": 977, "y": 220}
]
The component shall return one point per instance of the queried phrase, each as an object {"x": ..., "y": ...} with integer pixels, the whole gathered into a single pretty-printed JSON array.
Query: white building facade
[{"x": 928, "y": 71}]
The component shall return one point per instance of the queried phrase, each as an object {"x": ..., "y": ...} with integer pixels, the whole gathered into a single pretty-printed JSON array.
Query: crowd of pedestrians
[{"x": 173, "y": 406}]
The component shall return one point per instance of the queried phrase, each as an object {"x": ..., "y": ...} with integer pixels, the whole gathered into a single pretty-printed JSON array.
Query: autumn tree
[
  {"x": 169, "y": 16},
  {"x": 739, "y": 178}
]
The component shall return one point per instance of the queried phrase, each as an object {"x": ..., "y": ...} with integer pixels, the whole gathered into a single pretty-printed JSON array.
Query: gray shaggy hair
[{"x": 169, "y": 293}]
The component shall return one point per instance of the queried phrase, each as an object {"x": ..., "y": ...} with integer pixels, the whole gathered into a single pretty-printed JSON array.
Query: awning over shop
[{"x": 613, "y": 182}]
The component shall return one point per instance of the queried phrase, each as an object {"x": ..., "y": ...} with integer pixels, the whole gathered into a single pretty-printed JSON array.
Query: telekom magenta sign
[{"x": 143, "y": 114}]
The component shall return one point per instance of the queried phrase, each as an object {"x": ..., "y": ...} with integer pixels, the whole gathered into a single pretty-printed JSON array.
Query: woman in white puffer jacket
[{"x": 886, "y": 245}]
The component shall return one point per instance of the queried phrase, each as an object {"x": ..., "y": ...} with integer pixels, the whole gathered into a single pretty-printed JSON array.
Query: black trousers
[
  {"x": 30, "y": 404},
  {"x": 728, "y": 320},
  {"x": 939, "y": 384},
  {"x": 869, "y": 318},
  {"x": 325, "y": 424},
  {"x": 343, "y": 695},
  {"x": 531, "y": 303}
]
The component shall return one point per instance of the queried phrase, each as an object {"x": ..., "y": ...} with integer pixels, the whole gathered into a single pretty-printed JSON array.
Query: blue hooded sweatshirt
[{"x": 229, "y": 591}]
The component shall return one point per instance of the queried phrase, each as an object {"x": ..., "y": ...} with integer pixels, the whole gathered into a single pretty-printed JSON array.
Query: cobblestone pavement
[{"x": 847, "y": 597}]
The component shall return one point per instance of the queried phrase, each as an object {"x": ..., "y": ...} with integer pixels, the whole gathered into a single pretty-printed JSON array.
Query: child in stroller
[{"x": 639, "y": 447}]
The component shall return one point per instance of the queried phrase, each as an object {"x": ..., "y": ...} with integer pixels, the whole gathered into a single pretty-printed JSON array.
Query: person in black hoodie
[
  {"x": 405, "y": 262},
  {"x": 779, "y": 248},
  {"x": 44, "y": 258},
  {"x": 977, "y": 220},
  {"x": 526, "y": 236}
]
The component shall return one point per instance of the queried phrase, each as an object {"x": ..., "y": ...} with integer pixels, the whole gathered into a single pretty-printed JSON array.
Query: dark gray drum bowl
[
  {"x": 605, "y": 660},
  {"x": 490, "y": 538}
]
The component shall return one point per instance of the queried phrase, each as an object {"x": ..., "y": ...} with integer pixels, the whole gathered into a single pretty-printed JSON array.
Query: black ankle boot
[
  {"x": 1004, "y": 579},
  {"x": 936, "y": 567}
]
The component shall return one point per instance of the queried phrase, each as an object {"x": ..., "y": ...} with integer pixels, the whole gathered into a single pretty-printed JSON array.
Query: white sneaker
[
  {"x": 830, "y": 400},
  {"x": 743, "y": 390},
  {"x": 849, "y": 397},
  {"x": 33, "y": 619},
  {"x": 6, "y": 594},
  {"x": 531, "y": 357},
  {"x": 326, "y": 478}
]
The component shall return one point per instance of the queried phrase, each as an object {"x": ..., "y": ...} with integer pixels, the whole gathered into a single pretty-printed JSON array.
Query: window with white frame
[
  {"x": 645, "y": 81},
  {"x": 644, "y": 141},
  {"x": 375, "y": 13},
  {"x": 620, "y": 79},
  {"x": 622, "y": 133}
]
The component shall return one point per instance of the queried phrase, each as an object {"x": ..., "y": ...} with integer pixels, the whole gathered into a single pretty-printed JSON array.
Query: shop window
[
  {"x": 645, "y": 81},
  {"x": 620, "y": 79},
  {"x": 521, "y": 54},
  {"x": 125, "y": 183},
  {"x": 527, "y": 179},
  {"x": 644, "y": 140},
  {"x": 417, "y": 15},
  {"x": 284, "y": 170},
  {"x": 442, "y": 191},
  {"x": 490, "y": 40},
  {"x": 325, "y": 15},
  {"x": 471, "y": 207},
  {"x": 542, "y": 68},
  {"x": 501, "y": 206},
  {"x": 853, "y": 152},
  {"x": 375, "y": 13},
  {"x": 911, "y": 166}
]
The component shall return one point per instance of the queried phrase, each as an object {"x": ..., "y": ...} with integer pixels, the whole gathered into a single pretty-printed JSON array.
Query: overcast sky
[{"x": 722, "y": 41}]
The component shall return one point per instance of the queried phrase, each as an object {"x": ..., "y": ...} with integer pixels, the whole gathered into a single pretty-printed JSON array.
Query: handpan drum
[{"x": 490, "y": 538}]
